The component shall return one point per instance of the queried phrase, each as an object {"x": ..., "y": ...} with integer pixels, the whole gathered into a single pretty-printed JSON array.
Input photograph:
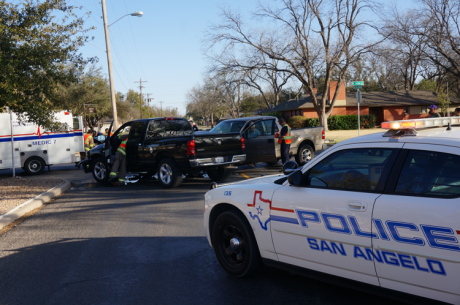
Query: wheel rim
[
  {"x": 232, "y": 245},
  {"x": 35, "y": 166},
  {"x": 306, "y": 154},
  {"x": 100, "y": 170},
  {"x": 165, "y": 173}
]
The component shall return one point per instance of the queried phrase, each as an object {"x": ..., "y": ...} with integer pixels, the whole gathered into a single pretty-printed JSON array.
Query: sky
[{"x": 162, "y": 48}]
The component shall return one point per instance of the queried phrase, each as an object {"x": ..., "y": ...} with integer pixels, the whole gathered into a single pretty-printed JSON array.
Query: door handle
[{"x": 357, "y": 206}]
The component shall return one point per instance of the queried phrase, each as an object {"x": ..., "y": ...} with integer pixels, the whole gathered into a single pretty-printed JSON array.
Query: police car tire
[
  {"x": 219, "y": 175},
  {"x": 176, "y": 177},
  {"x": 300, "y": 158},
  {"x": 251, "y": 261},
  {"x": 31, "y": 160},
  {"x": 107, "y": 170}
]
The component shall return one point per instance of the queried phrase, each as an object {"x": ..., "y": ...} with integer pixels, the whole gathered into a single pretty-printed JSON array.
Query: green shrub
[
  {"x": 297, "y": 122},
  {"x": 336, "y": 122}
]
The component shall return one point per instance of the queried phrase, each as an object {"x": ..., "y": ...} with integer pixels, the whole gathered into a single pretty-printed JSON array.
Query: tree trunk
[{"x": 323, "y": 120}]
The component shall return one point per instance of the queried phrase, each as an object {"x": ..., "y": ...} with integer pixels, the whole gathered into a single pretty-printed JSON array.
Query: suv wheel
[
  {"x": 34, "y": 166},
  {"x": 100, "y": 170},
  {"x": 169, "y": 174},
  {"x": 304, "y": 154},
  {"x": 235, "y": 245},
  {"x": 219, "y": 174}
]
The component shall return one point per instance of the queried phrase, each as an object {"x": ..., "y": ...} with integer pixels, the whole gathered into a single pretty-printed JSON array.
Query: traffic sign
[
  {"x": 358, "y": 96},
  {"x": 358, "y": 83},
  {"x": 91, "y": 110}
]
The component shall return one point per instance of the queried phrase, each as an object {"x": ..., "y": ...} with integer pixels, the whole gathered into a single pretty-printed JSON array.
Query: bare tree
[{"x": 307, "y": 34}]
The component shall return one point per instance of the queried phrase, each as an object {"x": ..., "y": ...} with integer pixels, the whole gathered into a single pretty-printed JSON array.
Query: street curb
[{"x": 33, "y": 203}]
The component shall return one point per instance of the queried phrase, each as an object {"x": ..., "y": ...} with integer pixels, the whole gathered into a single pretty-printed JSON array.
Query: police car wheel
[
  {"x": 100, "y": 170},
  {"x": 304, "y": 154},
  {"x": 169, "y": 174},
  {"x": 235, "y": 245},
  {"x": 34, "y": 166}
]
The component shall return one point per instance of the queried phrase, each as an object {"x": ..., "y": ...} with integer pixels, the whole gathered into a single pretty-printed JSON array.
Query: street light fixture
[{"x": 109, "y": 60}]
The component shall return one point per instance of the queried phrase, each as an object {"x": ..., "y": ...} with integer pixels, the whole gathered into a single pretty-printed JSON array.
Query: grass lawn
[{"x": 336, "y": 136}]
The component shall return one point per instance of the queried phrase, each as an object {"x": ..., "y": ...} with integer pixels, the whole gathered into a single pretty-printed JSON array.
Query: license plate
[{"x": 219, "y": 159}]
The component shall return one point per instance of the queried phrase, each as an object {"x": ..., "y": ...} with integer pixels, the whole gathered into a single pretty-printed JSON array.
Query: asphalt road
[{"x": 139, "y": 244}]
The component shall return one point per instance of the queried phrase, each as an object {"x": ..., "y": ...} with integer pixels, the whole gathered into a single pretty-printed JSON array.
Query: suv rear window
[
  {"x": 165, "y": 128},
  {"x": 429, "y": 173}
]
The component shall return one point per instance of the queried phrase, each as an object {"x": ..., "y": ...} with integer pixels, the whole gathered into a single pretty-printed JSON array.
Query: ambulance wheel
[
  {"x": 304, "y": 154},
  {"x": 34, "y": 166},
  {"x": 235, "y": 244},
  {"x": 219, "y": 174},
  {"x": 100, "y": 170},
  {"x": 169, "y": 174}
]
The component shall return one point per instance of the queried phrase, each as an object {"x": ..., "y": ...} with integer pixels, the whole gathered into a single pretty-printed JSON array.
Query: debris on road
[{"x": 15, "y": 191}]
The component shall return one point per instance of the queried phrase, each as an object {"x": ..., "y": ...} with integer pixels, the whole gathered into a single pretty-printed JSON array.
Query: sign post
[
  {"x": 357, "y": 85},
  {"x": 358, "y": 99}
]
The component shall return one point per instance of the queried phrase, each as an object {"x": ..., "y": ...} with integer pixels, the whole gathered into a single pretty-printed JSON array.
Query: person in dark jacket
[{"x": 434, "y": 111}]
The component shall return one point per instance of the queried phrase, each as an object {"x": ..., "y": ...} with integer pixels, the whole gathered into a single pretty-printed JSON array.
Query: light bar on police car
[{"x": 420, "y": 123}]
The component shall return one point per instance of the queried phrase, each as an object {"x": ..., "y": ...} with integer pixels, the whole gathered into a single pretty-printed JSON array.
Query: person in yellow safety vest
[
  {"x": 284, "y": 138},
  {"x": 89, "y": 141},
  {"x": 119, "y": 165}
]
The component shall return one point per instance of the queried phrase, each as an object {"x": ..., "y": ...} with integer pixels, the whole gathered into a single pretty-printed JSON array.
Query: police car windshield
[{"x": 228, "y": 126}]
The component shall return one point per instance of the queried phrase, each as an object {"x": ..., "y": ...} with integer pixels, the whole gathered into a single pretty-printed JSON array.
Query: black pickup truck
[{"x": 169, "y": 148}]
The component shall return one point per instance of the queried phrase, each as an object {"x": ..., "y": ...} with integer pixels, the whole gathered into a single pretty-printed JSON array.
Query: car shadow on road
[{"x": 150, "y": 270}]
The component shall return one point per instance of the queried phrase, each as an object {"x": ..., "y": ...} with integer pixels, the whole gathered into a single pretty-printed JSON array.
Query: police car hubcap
[{"x": 232, "y": 245}]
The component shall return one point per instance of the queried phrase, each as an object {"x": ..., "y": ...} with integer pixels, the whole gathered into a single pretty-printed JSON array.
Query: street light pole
[{"x": 109, "y": 61}]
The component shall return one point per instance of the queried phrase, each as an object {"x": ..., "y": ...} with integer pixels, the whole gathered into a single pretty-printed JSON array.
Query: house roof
[{"x": 374, "y": 99}]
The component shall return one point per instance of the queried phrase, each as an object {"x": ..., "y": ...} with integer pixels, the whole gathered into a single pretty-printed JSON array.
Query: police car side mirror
[
  {"x": 289, "y": 167},
  {"x": 295, "y": 178}
]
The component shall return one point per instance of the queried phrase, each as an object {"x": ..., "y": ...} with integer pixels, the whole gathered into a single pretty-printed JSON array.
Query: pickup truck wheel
[
  {"x": 34, "y": 166},
  {"x": 169, "y": 174},
  {"x": 100, "y": 170},
  {"x": 218, "y": 175},
  {"x": 304, "y": 154},
  {"x": 235, "y": 245}
]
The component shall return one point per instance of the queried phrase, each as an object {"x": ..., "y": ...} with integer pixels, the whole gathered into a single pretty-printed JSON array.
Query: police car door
[
  {"x": 325, "y": 224},
  {"x": 418, "y": 224}
]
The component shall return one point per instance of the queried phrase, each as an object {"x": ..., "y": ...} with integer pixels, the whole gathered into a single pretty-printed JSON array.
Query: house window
[
  {"x": 301, "y": 112},
  {"x": 296, "y": 112},
  {"x": 424, "y": 110},
  {"x": 292, "y": 112}
]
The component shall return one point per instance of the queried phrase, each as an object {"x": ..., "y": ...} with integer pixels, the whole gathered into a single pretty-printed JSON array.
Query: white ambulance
[
  {"x": 378, "y": 213},
  {"x": 35, "y": 147}
]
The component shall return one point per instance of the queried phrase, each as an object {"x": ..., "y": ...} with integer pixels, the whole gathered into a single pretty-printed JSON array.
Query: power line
[
  {"x": 120, "y": 78},
  {"x": 127, "y": 75},
  {"x": 135, "y": 46},
  {"x": 140, "y": 87}
]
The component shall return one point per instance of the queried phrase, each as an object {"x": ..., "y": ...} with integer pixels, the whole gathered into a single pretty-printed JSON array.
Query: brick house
[{"x": 385, "y": 105}]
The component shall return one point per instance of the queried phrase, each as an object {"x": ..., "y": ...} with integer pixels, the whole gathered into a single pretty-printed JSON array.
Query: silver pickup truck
[{"x": 261, "y": 145}]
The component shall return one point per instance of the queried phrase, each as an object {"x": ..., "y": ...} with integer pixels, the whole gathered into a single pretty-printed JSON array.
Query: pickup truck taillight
[
  {"x": 243, "y": 146},
  {"x": 323, "y": 134},
  {"x": 191, "y": 147}
]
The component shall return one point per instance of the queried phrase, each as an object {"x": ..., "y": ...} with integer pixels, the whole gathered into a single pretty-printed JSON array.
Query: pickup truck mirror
[
  {"x": 295, "y": 178},
  {"x": 289, "y": 167},
  {"x": 100, "y": 138}
]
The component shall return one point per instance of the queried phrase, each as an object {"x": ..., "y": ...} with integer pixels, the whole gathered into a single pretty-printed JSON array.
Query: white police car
[{"x": 382, "y": 210}]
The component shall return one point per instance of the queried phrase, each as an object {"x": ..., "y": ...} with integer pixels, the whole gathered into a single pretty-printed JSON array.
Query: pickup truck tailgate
[{"x": 211, "y": 145}]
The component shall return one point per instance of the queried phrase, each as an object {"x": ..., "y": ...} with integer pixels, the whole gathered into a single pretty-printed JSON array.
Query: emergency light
[{"x": 420, "y": 123}]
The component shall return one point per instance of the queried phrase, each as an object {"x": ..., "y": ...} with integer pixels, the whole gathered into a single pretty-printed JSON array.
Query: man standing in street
[
  {"x": 89, "y": 141},
  {"x": 284, "y": 139},
  {"x": 434, "y": 111},
  {"x": 119, "y": 165}
]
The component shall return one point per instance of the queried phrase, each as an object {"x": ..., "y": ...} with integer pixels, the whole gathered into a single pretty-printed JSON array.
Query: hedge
[{"x": 334, "y": 122}]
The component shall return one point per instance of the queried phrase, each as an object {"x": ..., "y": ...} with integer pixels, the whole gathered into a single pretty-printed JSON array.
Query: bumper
[
  {"x": 85, "y": 165},
  {"x": 212, "y": 161}
]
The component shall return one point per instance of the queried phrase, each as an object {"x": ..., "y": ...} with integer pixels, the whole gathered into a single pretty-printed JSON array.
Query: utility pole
[
  {"x": 140, "y": 86},
  {"x": 148, "y": 102},
  {"x": 109, "y": 61},
  {"x": 161, "y": 105}
]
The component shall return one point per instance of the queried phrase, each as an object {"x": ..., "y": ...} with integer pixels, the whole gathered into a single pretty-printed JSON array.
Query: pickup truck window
[
  {"x": 268, "y": 127},
  {"x": 136, "y": 132},
  {"x": 352, "y": 169},
  {"x": 228, "y": 126},
  {"x": 166, "y": 128},
  {"x": 428, "y": 173}
]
